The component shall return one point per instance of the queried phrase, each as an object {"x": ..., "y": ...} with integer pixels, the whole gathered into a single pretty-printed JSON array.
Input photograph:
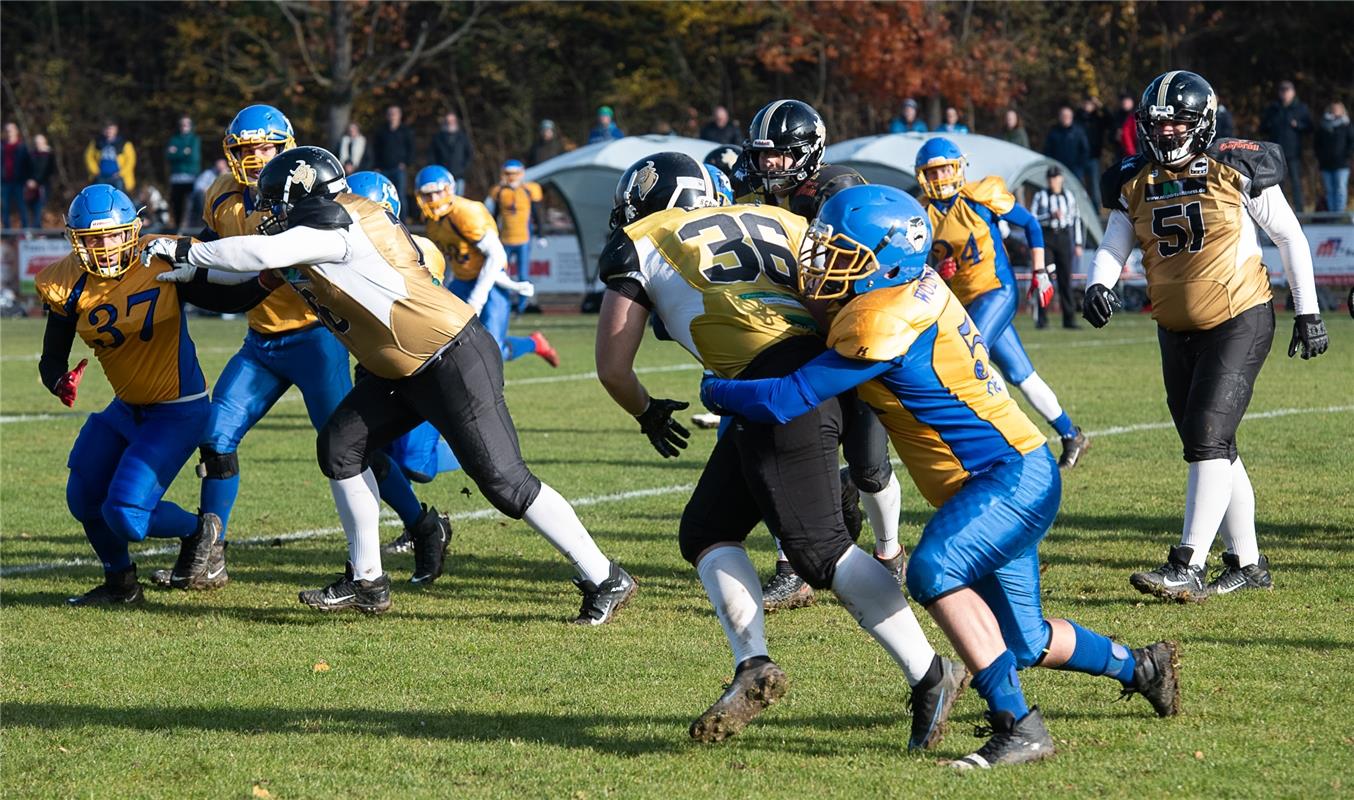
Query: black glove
[
  {"x": 665, "y": 434},
  {"x": 1099, "y": 305},
  {"x": 1310, "y": 332}
]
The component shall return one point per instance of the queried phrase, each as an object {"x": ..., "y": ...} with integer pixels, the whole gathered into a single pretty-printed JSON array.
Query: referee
[{"x": 1056, "y": 210}]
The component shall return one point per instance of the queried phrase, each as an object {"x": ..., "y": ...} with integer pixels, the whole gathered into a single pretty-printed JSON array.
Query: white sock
[
  {"x": 872, "y": 596},
  {"x": 1238, "y": 524},
  {"x": 552, "y": 517},
  {"x": 780, "y": 553},
  {"x": 1041, "y": 397},
  {"x": 882, "y": 509},
  {"x": 1207, "y": 494},
  {"x": 731, "y": 583},
  {"x": 359, "y": 508}
]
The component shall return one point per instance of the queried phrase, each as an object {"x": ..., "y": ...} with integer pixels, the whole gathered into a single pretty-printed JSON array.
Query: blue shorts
[
  {"x": 994, "y": 314},
  {"x": 986, "y": 537},
  {"x": 422, "y": 453},
  {"x": 264, "y": 368}
]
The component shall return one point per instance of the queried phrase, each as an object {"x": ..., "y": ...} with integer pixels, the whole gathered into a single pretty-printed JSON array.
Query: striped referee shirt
[{"x": 1046, "y": 208}]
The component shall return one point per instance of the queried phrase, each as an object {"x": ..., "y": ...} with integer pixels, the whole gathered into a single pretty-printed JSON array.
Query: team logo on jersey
[
  {"x": 645, "y": 179},
  {"x": 304, "y": 175},
  {"x": 1199, "y": 167},
  {"x": 1180, "y": 187}
]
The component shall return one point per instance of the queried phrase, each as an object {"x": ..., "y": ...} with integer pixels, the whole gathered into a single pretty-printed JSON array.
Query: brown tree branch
[{"x": 299, "y": 30}]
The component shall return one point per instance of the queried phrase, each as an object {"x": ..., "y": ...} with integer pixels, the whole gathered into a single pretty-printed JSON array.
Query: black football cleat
[
  {"x": 1011, "y": 742},
  {"x": 1235, "y": 577},
  {"x": 1174, "y": 580},
  {"x": 752, "y": 690},
  {"x": 432, "y": 536},
  {"x": 786, "y": 590},
  {"x": 404, "y": 543},
  {"x": 897, "y": 567},
  {"x": 931, "y": 704},
  {"x": 1156, "y": 677},
  {"x": 851, "y": 513},
  {"x": 1074, "y": 447},
  {"x": 201, "y": 564},
  {"x": 369, "y": 597},
  {"x": 118, "y": 589},
  {"x": 602, "y": 601}
]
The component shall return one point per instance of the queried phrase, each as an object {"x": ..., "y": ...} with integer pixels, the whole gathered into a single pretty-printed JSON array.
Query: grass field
[{"x": 475, "y": 687}]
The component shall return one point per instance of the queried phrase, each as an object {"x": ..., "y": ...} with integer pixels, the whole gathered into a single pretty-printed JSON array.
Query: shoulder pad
[
  {"x": 1113, "y": 180},
  {"x": 619, "y": 257},
  {"x": 221, "y": 189},
  {"x": 471, "y": 218},
  {"x": 804, "y": 201},
  {"x": 534, "y": 189},
  {"x": 991, "y": 192},
  {"x": 869, "y": 332},
  {"x": 1261, "y": 162},
  {"x": 56, "y": 281},
  {"x": 324, "y": 213}
]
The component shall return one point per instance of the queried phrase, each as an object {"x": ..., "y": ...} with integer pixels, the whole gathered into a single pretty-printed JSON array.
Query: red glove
[
  {"x": 1041, "y": 287},
  {"x": 68, "y": 383},
  {"x": 947, "y": 268}
]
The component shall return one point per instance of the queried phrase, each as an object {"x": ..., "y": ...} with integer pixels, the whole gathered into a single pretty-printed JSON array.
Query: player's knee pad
[
  {"x": 84, "y": 499},
  {"x": 128, "y": 522},
  {"x": 926, "y": 575},
  {"x": 1028, "y": 646},
  {"x": 817, "y": 565},
  {"x": 213, "y": 464},
  {"x": 873, "y": 478},
  {"x": 338, "y": 460},
  {"x": 509, "y": 492}
]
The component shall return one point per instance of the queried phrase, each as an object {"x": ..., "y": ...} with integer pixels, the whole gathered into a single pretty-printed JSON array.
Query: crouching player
[
  {"x": 430, "y": 360},
  {"x": 903, "y": 341},
  {"x": 127, "y": 454}
]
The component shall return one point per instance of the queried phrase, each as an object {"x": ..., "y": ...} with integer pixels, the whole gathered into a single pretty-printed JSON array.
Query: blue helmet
[
  {"x": 939, "y": 152},
  {"x": 96, "y": 212},
  {"x": 255, "y": 125},
  {"x": 722, "y": 186},
  {"x": 377, "y": 188},
  {"x": 513, "y": 165},
  {"x": 864, "y": 238},
  {"x": 432, "y": 185}
]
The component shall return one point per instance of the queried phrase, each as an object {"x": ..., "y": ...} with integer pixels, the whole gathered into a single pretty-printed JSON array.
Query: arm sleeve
[
  {"x": 1114, "y": 250},
  {"x": 779, "y": 400},
  {"x": 91, "y": 160},
  {"x": 57, "y": 339},
  {"x": 1019, "y": 215},
  {"x": 257, "y": 253},
  {"x": 234, "y": 299},
  {"x": 1271, "y": 212},
  {"x": 495, "y": 259}
]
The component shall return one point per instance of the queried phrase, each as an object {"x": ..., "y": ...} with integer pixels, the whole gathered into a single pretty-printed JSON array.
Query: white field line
[{"x": 594, "y": 500}]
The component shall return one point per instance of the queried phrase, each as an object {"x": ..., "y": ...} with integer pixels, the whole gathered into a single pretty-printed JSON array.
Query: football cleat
[
  {"x": 201, "y": 564},
  {"x": 851, "y": 513},
  {"x": 602, "y": 601},
  {"x": 404, "y": 543},
  {"x": 1074, "y": 447},
  {"x": 1174, "y": 580},
  {"x": 706, "y": 421},
  {"x": 1011, "y": 742},
  {"x": 369, "y": 597},
  {"x": 1235, "y": 577},
  {"x": 118, "y": 589},
  {"x": 1156, "y": 677},
  {"x": 786, "y": 590},
  {"x": 752, "y": 690},
  {"x": 432, "y": 536},
  {"x": 931, "y": 704},
  {"x": 897, "y": 567},
  {"x": 544, "y": 348}
]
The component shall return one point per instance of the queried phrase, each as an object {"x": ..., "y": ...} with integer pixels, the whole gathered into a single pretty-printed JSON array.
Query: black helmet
[
  {"x": 724, "y": 158},
  {"x": 293, "y": 176},
  {"x": 1177, "y": 96},
  {"x": 659, "y": 182},
  {"x": 790, "y": 127},
  {"x": 832, "y": 178}
]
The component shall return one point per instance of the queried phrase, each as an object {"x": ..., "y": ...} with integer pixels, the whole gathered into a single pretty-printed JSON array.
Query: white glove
[
  {"x": 168, "y": 249},
  {"x": 215, "y": 277},
  {"x": 525, "y": 289},
  {"x": 542, "y": 241}
]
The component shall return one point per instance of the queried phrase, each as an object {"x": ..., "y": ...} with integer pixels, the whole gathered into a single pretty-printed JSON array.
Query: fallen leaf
[
  {"x": 62, "y": 749},
  {"x": 1199, "y": 755},
  {"x": 259, "y": 791},
  {"x": 321, "y": 666}
]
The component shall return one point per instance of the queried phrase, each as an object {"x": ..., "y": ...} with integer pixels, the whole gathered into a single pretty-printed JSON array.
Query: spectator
[
  {"x": 516, "y": 205},
  {"x": 907, "y": 121},
  {"x": 451, "y": 148},
  {"x": 184, "y": 157},
  {"x": 1126, "y": 126},
  {"x": 1095, "y": 123},
  {"x": 111, "y": 159},
  {"x": 720, "y": 129},
  {"x": 547, "y": 144},
  {"x": 1013, "y": 129},
  {"x": 15, "y": 170},
  {"x": 952, "y": 123},
  {"x": 392, "y": 150},
  {"x": 352, "y": 150},
  {"x": 1285, "y": 122},
  {"x": 691, "y": 126},
  {"x": 606, "y": 128},
  {"x": 1066, "y": 141},
  {"x": 1056, "y": 210},
  {"x": 1225, "y": 128},
  {"x": 39, "y": 185},
  {"x": 1334, "y": 144},
  {"x": 204, "y": 181},
  {"x": 662, "y": 128}
]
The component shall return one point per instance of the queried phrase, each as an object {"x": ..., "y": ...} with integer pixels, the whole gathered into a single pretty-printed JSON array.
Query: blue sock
[
  {"x": 109, "y": 547},
  {"x": 515, "y": 347},
  {"x": 169, "y": 521},
  {"x": 1063, "y": 425},
  {"x": 399, "y": 495},
  {"x": 998, "y": 684},
  {"x": 218, "y": 497},
  {"x": 1095, "y": 654}
]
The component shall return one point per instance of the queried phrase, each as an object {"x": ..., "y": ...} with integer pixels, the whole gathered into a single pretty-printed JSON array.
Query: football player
[
  {"x": 127, "y": 454},
  {"x": 782, "y": 166},
  {"x": 718, "y": 280},
  {"x": 466, "y": 233},
  {"x": 285, "y": 346},
  {"x": 429, "y": 358},
  {"x": 903, "y": 341},
  {"x": 517, "y": 206},
  {"x": 1192, "y": 205},
  {"x": 725, "y": 158},
  {"x": 971, "y": 257}
]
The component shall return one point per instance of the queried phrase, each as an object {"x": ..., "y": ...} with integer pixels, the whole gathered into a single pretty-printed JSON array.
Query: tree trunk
[{"x": 340, "y": 73}]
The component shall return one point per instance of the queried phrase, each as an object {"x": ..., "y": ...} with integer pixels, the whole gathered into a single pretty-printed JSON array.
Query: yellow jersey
[
  {"x": 433, "y": 260},
  {"x": 457, "y": 232},
  {"x": 512, "y": 207},
  {"x": 966, "y": 230}
]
